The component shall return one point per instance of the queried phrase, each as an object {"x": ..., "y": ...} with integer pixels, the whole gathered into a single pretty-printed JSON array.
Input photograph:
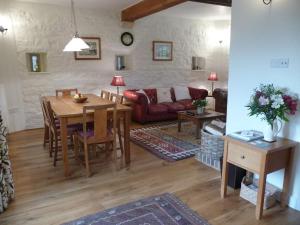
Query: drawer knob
[{"x": 243, "y": 157}]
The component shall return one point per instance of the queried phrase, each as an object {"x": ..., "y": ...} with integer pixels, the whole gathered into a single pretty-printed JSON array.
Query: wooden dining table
[{"x": 68, "y": 112}]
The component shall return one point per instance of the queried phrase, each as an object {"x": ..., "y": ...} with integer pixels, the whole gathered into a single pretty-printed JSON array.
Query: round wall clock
[{"x": 127, "y": 39}]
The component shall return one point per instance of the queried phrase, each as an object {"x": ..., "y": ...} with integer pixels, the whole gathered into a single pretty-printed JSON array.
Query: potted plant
[
  {"x": 200, "y": 105},
  {"x": 274, "y": 105}
]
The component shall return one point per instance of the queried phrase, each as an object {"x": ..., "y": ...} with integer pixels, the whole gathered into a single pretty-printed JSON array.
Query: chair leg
[
  {"x": 86, "y": 157},
  {"x": 115, "y": 155},
  {"x": 55, "y": 152},
  {"x": 50, "y": 143},
  {"x": 120, "y": 136},
  {"x": 46, "y": 135},
  {"x": 75, "y": 140}
]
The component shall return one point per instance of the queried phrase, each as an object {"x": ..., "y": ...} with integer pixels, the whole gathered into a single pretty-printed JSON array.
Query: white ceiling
[
  {"x": 196, "y": 10},
  {"x": 116, "y": 5},
  {"x": 188, "y": 10}
]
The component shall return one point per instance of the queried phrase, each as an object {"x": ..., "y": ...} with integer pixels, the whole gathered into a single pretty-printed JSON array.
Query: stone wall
[{"x": 47, "y": 28}]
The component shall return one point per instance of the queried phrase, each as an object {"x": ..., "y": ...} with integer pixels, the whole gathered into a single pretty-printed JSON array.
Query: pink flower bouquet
[{"x": 272, "y": 103}]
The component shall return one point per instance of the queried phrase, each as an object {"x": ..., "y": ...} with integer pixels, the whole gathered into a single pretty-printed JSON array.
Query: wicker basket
[
  {"x": 211, "y": 149},
  {"x": 249, "y": 193}
]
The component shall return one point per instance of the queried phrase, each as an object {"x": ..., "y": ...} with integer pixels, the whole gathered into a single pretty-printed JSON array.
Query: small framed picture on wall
[
  {"x": 162, "y": 50},
  {"x": 93, "y": 53}
]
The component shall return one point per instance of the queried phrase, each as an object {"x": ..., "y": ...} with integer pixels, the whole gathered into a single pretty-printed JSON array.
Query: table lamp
[
  {"x": 212, "y": 77},
  {"x": 117, "y": 81}
]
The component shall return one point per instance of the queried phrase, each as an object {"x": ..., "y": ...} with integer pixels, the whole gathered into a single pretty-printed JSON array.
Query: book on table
[{"x": 247, "y": 135}]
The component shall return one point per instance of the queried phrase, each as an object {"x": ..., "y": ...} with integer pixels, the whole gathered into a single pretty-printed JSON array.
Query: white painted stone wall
[{"x": 47, "y": 28}]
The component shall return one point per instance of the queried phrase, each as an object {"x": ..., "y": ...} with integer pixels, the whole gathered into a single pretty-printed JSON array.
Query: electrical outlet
[{"x": 280, "y": 63}]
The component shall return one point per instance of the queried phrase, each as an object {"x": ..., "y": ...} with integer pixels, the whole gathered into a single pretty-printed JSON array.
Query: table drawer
[{"x": 247, "y": 158}]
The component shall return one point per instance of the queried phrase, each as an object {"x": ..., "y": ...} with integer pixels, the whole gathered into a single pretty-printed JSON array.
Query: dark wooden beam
[
  {"x": 146, "y": 8},
  {"x": 215, "y": 2}
]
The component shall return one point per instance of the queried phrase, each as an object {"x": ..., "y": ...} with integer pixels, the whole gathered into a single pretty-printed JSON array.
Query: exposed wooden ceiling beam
[
  {"x": 146, "y": 8},
  {"x": 215, "y": 2}
]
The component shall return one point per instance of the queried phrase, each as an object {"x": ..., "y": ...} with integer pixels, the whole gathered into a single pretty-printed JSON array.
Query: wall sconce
[
  {"x": 2, "y": 29},
  {"x": 267, "y": 2}
]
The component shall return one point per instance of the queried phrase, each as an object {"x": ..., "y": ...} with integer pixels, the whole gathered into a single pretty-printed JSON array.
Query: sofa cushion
[
  {"x": 163, "y": 95},
  {"x": 157, "y": 108},
  {"x": 187, "y": 103},
  {"x": 174, "y": 106},
  {"x": 181, "y": 93},
  {"x": 151, "y": 94},
  {"x": 144, "y": 93}
]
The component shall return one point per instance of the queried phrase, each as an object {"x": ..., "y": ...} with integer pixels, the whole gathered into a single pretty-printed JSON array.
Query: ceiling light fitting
[
  {"x": 267, "y": 2},
  {"x": 2, "y": 29},
  {"x": 76, "y": 44}
]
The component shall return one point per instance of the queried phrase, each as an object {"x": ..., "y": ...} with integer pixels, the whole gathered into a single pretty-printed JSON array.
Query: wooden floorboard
[{"x": 44, "y": 196}]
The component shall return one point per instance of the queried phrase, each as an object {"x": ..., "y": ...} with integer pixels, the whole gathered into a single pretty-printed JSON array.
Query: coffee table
[{"x": 197, "y": 119}]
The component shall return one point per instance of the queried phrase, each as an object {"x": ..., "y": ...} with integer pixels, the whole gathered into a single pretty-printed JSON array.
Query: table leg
[
  {"x": 286, "y": 181},
  {"x": 224, "y": 180},
  {"x": 179, "y": 125},
  {"x": 199, "y": 125},
  {"x": 64, "y": 144},
  {"x": 261, "y": 189},
  {"x": 127, "y": 119}
]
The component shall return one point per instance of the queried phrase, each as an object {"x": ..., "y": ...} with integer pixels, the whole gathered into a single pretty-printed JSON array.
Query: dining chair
[
  {"x": 105, "y": 94},
  {"x": 66, "y": 92},
  {"x": 54, "y": 132},
  {"x": 118, "y": 99},
  {"x": 46, "y": 122},
  {"x": 100, "y": 133}
]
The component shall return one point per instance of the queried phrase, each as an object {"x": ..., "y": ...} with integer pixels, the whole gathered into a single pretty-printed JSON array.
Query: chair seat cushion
[
  {"x": 187, "y": 103},
  {"x": 174, "y": 107},
  {"x": 157, "y": 109},
  {"x": 89, "y": 133}
]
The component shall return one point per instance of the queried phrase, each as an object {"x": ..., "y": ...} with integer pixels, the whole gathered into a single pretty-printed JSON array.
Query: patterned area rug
[
  {"x": 165, "y": 209},
  {"x": 166, "y": 142}
]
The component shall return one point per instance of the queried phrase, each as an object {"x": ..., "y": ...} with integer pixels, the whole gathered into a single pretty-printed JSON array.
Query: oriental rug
[{"x": 164, "y": 209}]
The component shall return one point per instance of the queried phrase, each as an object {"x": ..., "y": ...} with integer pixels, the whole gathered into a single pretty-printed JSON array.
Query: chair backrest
[
  {"x": 50, "y": 115},
  {"x": 105, "y": 94},
  {"x": 101, "y": 122},
  {"x": 42, "y": 100},
  {"x": 116, "y": 98},
  {"x": 66, "y": 92}
]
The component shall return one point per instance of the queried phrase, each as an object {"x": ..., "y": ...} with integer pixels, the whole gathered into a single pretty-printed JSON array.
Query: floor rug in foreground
[
  {"x": 164, "y": 209},
  {"x": 166, "y": 142}
]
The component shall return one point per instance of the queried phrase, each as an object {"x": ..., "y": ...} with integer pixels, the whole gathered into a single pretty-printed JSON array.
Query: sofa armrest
[
  {"x": 136, "y": 98},
  {"x": 197, "y": 93},
  {"x": 220, "y": 96}
]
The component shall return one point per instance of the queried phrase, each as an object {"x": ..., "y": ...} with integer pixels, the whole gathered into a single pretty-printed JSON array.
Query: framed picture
[
  {"x": 162, "y": 50},
  {"x": 93, "y": 53}
]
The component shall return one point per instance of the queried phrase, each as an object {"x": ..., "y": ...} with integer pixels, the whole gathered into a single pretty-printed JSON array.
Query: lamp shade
[
  {"x": 213, "y": 77},
  {"x": 76, "y": 45},
  {"x": 117, "y": 81}
]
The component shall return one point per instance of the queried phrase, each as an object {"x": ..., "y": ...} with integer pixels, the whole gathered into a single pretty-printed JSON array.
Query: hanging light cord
[{"x": 74, "y": 18}]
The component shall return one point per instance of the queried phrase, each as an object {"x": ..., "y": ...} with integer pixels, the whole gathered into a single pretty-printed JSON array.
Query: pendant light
[{"x": 76, "y": 44}]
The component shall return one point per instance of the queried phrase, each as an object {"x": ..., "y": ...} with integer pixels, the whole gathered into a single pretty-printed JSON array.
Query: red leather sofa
[{"x": 149, "y": 112}]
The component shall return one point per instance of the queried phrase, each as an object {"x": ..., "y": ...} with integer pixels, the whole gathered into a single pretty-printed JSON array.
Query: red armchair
[{"x": 148, "y": 112}]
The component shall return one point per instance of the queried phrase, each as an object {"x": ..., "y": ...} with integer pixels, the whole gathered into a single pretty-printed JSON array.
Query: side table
[{"x": 259, "y": 159}]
